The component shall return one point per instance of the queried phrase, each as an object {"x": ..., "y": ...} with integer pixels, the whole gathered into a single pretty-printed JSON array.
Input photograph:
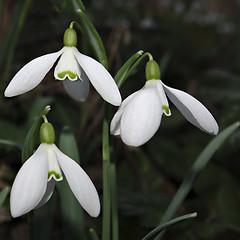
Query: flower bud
[
  {"x": 47, "y": 133},
  {"x": 70, "y": 38},
  {"x": 152, "y": 70}
]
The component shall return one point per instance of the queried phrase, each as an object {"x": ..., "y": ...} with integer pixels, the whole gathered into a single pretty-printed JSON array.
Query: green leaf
[
  {"x": 122, "y": 73},
  {"x": 30, "y": 140},
  {"x": 3, "y": 195},
  {"x": 94, "y": 39},
  {"x": 197, "y": 167},
  {"x": 168, "y": 224},
  {"x": 77, "y": 4},
  {"x": 72, "y": 213},
  {"x": 11, "y": 143}
]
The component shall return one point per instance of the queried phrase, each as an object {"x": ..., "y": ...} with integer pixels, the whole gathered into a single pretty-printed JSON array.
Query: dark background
[{"x": 197, "y": 44}]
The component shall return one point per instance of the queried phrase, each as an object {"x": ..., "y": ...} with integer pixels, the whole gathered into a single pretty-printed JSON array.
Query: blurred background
[{"x": 197, "y": 44}]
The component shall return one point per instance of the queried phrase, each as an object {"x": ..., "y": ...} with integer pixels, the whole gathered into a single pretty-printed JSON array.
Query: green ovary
[
  {"x": 70, "y": 74},
  {"x": 57, "y": 175}
]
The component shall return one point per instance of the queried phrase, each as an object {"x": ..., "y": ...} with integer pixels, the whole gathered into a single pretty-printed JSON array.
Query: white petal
[
  {"x": 115, "y": 123},
  {"x": 30, "y": 183},
  {"x": 100, "y": 78},
  {"x": 48, "y": 193},
  {"x": 78, "y": 90},
  {"x": 67, "y": 66},
  {"x": 31, "y": 74},
  {"x": 80, "y": 184},
  {"x": 194, "y": 111},
  {"x": 141, "y": 117}
]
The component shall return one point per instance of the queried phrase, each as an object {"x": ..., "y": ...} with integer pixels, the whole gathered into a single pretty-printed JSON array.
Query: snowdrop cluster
[{"x": 136, "y": 121}]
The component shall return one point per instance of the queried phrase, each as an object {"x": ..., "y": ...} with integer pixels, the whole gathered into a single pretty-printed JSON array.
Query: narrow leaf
[
  {"x": 78, "y": 5},
  {"x": 121, "y": 74},
  {"x": 168, "y": 224},
  {"x": 197, "y": 167},
  {"x": 72, "y": 213},
  {"x": 11, "y": 143},
  {"x": 94, "y": 38},
  {"x": 30, "y": 140},
  {"x": 3, "y": 195}
]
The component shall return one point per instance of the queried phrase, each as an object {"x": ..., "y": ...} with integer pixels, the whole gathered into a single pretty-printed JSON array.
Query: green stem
[
  {"x": 44, "y": 118},
  {"x": 146, "y": 54},
  {"x": 106, "y": 176},
  {"x": 115, "y": 232}
]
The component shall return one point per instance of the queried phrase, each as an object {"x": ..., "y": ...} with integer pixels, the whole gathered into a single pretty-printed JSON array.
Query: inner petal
[
  {"x": 54, "y": 170},
  {"x": 165, "y": 105},
  {"x": 67, "y": 66}
]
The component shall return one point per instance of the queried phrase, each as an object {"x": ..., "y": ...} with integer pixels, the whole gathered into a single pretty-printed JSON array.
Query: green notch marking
[
  {"x": 70, "y": 74},
  {"x": 165, "y": 109},
  {"x": 57, "y": 175}
]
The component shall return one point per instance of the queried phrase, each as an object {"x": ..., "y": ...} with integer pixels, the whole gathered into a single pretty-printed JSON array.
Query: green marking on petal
[
  {"x": 166, "y": 110},
  {"x": 57, "y": 175},
  {"x": 70, "y": 74}
]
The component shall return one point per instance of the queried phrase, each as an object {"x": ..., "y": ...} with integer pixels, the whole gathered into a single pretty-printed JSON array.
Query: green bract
[
  {"x": 47, "y": 133},
  {"x": 152, "y": 70},
  {"x": 70, "y": 38}
]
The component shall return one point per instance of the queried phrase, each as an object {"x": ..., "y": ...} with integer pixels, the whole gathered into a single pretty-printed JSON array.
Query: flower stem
[
  {"x": 115, "y": 233},
  {"x": 146, "y": 54},
  {"x": 44, "y": 118},
  {"x": 106, "y": 176}
]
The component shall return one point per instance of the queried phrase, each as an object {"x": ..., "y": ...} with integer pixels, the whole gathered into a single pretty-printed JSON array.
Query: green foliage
[{"x": 3, "y": 195}]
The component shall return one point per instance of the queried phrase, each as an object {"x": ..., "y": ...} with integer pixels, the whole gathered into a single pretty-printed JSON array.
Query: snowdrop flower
[
  {"x": 35, "y": 181},
  {"x": 73, "y": 68},
  {"x": 139, "y": 116}
]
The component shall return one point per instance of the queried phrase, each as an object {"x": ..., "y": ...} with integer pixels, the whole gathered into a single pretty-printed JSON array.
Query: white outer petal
[
  {"x": 78, "y": 89},
  {"x": 80, "y": 184},
  {"x": 141, "y": 117},
  {"x": 100, "y": 78},
  {"x": 31, "y": 74},
  {"x": 30, "y": 183},
  {"x": 194, "y": 111},
  {"x": 115, "y": 123}
]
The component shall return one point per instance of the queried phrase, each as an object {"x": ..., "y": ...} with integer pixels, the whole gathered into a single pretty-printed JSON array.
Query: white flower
[
  {"x": 139, "y": 116},
  {"x": 35, "y": 182},
  {"x": 74, "y": 68}
]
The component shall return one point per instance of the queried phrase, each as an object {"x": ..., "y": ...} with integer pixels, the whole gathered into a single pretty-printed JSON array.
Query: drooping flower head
[
  {"x": 35, "y": 181},
  {"x": 73, "y": 68},
  {"x": 139, "y": 116}
]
